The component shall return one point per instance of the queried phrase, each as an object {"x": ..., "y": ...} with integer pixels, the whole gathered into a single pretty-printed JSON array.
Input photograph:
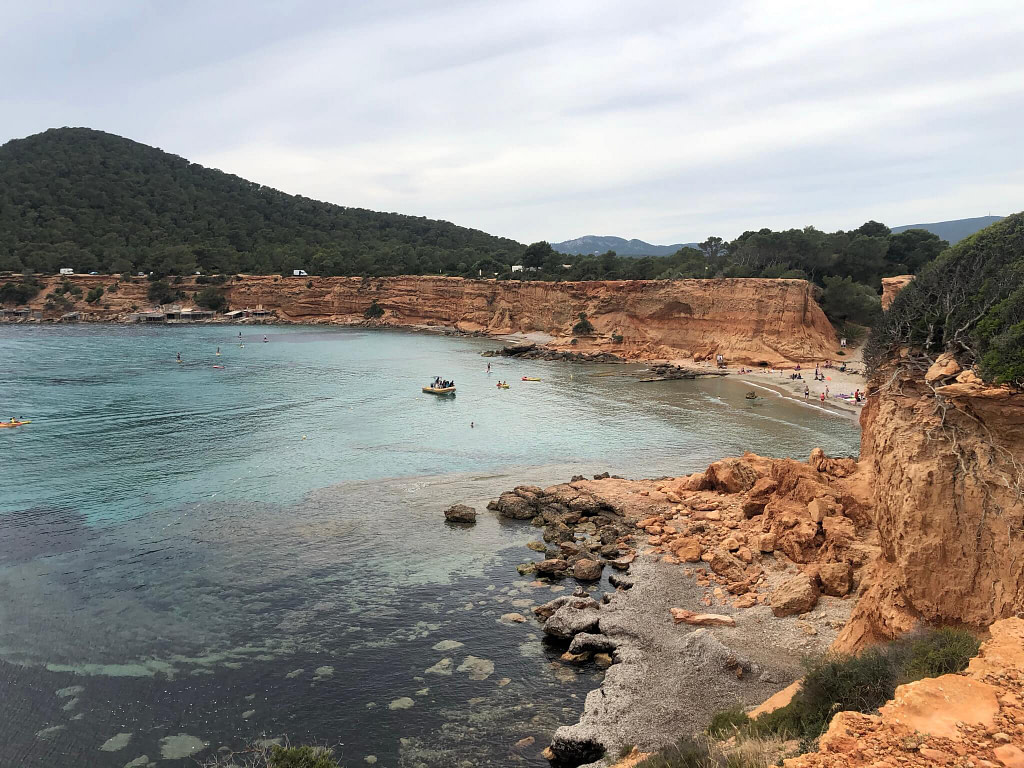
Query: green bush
[
  {"x": 584, "y": 327},
  {"x": 21, "y": 292},
  {"x": 211, "y": 298},
  {"x": 95, "y": 294},
  {"x": 864, "y": 683},
  {"x": 723, "y": 724},
  {"x": 374, "y": 311},
  {"x": 969, "y": 301},
  {"x": 160, "y": 292}
]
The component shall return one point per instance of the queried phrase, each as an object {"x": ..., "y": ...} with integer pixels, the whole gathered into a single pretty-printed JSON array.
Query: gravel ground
[{"x": 670, "y": 679}]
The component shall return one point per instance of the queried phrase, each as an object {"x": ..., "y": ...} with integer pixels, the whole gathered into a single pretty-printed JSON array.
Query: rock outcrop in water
[{"x": 748, "y": 321}]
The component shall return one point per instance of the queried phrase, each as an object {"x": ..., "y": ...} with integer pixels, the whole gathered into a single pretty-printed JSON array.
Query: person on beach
[
  {"x": 826, "y": 392},
  {"x": 807, "y": 391},
  {"x": 822, "y": 398}
]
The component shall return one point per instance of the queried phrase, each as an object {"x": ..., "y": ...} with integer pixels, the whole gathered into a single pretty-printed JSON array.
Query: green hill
[
  {"x": 75, "y": 197},
  {"x": 953, "y": 231}
]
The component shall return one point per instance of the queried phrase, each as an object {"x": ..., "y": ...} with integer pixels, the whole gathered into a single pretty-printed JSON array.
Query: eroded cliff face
[
  {"x": 747, "y": 320},
  {"x": 891, "y": 287},
  {"x": 947, "y": 455}
]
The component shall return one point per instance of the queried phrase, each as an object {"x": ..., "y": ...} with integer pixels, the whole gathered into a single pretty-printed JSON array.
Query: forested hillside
[
  {"x": 90, "y": 200},
  {"x": 74, "y": 197}
]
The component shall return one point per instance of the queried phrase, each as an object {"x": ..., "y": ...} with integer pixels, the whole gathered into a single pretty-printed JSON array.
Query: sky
[{"x": 664, "y": 121}]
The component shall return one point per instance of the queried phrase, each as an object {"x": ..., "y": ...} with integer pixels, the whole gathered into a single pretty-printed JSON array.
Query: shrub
[
  {"x": 160, "y": 292},
  {"x": 969, "y": 301},
  {"x": 95, "y": 294},
  {"x": 309, "y": 283},
  {"x": 584, "y": 327},
  {"x": 21, "y": 292},
  {"x": 374, "y": 311},
  {"x": 685, "y": 753},
  {"x": 723, "y": 724},
  {"x": 618, "y": 338},
  {"x": 211, "y": 298},
  {"x": 864, "y": 683}
]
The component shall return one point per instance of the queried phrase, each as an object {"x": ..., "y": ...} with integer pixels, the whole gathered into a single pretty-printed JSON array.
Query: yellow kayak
[
  {"x": 9, "y": 424},
  {"x": 504, "y": 386},
  {"x": 530, "y": 378},
  {"x": 439, "y": 390}
]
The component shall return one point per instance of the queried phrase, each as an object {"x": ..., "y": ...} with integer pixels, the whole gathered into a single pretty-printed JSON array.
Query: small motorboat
[
  {"x": 439, "y": 390},
  {"x": 531, "y": 378},
  {"x": 11, "y": 424}
]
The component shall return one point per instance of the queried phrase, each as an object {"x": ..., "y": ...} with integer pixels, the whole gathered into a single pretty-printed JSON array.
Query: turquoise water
[{"x": 179, "y": 540}]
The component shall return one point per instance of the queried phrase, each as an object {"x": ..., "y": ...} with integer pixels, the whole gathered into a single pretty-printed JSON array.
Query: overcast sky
[{"x": 666, "y": 121}]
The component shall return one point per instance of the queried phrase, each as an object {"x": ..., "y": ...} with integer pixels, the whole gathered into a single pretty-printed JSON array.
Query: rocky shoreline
[{"x": 773, "y": 547}]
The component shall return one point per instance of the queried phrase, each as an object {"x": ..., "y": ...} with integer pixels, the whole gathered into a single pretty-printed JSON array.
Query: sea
[{"x": 248, "y": 546}]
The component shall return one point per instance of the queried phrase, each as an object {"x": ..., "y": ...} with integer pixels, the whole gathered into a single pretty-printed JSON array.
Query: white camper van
[{"x": 299, "y": 273}]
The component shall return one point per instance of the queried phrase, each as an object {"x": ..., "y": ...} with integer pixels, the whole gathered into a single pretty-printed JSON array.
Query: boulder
[
  {"x": 835, "y": 578},
  {"x": 767, "y": 542},
  {"x": 731, "y": 476},
  {"x": 727, "y": 566},
  {"x": 795, "y": 595},
  {"x": 515, "y": 507},
  {"x": 569, "y": 621},
  {"x": 588, "y": 642},
  {"x": 623, "y": 562},
  {"x": 587, "y": 570},
  {"x": 460, "y": 513},
  {"x": 687, "y": 549},
  {"x": 552, "y": 567},
  {"x": 620, "y": 582},
  {"x": 753, "y": 507}
]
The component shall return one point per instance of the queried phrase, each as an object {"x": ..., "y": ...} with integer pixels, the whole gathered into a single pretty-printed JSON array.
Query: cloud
[{"x": 667, "y": 122}]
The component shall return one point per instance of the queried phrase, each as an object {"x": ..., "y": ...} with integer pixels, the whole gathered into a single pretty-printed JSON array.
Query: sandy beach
[{"x": 838, "y": 383}]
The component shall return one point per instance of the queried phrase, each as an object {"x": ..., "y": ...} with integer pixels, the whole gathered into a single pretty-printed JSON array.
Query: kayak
[
  {"x": 530, "y": 378},
  {"x": 9, "y": 424},
  {"x": 504, "y": 386},
  {"x": 219, "y": 366},
  {"x": 439, "y": 390}
]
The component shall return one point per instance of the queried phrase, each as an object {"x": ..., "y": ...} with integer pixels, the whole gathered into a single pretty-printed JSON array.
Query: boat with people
[
  {"x": 439, "y": 390},
  {"x": 12, "y": 423},
  {"x": 440, "y": 386}
]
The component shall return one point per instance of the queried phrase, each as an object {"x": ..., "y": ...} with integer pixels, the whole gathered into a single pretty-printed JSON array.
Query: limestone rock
[
  {"x": 835, "y": 578},
  {"x": 681, "y": 616},
  {"x": 587, "y": 570},
  {"x": 795, "y": 595},
  {"x": 460, "y": 513}
]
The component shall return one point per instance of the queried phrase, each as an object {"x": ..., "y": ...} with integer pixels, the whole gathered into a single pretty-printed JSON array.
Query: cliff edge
[{"x": 748, "y": 321}]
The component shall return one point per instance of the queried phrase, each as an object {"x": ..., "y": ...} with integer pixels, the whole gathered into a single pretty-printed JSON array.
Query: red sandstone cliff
[
  {"x": 947, "y": 455},
  {"x": 747, "y": 320},
  {"x": 891, "y": 287}
]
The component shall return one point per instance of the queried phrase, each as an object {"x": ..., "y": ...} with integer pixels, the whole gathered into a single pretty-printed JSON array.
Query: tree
[
  {"x": 912, "y": 249},
  {"x": 95, "y": 294},
  {"x": 211, "y": 298},
  {"x": 160, "y": 292},
  {"x": 536, "y": 254},
  {"x": 844, "y": 299},
  {"x": 714, "y": 250},
  {"x": 873, "y": 229}
]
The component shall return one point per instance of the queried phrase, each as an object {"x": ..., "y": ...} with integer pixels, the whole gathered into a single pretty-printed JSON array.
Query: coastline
[{"x": 704, "y": 617}]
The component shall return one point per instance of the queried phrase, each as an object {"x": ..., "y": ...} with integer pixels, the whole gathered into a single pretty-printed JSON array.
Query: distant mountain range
[
  {"x": 951, "y": 231},
  {"x": 591, "y": 244},
  {"x": 955, "y": 230}
]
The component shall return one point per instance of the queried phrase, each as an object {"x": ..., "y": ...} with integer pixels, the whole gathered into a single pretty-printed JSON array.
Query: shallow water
[{"x": 258, "y": 550}]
